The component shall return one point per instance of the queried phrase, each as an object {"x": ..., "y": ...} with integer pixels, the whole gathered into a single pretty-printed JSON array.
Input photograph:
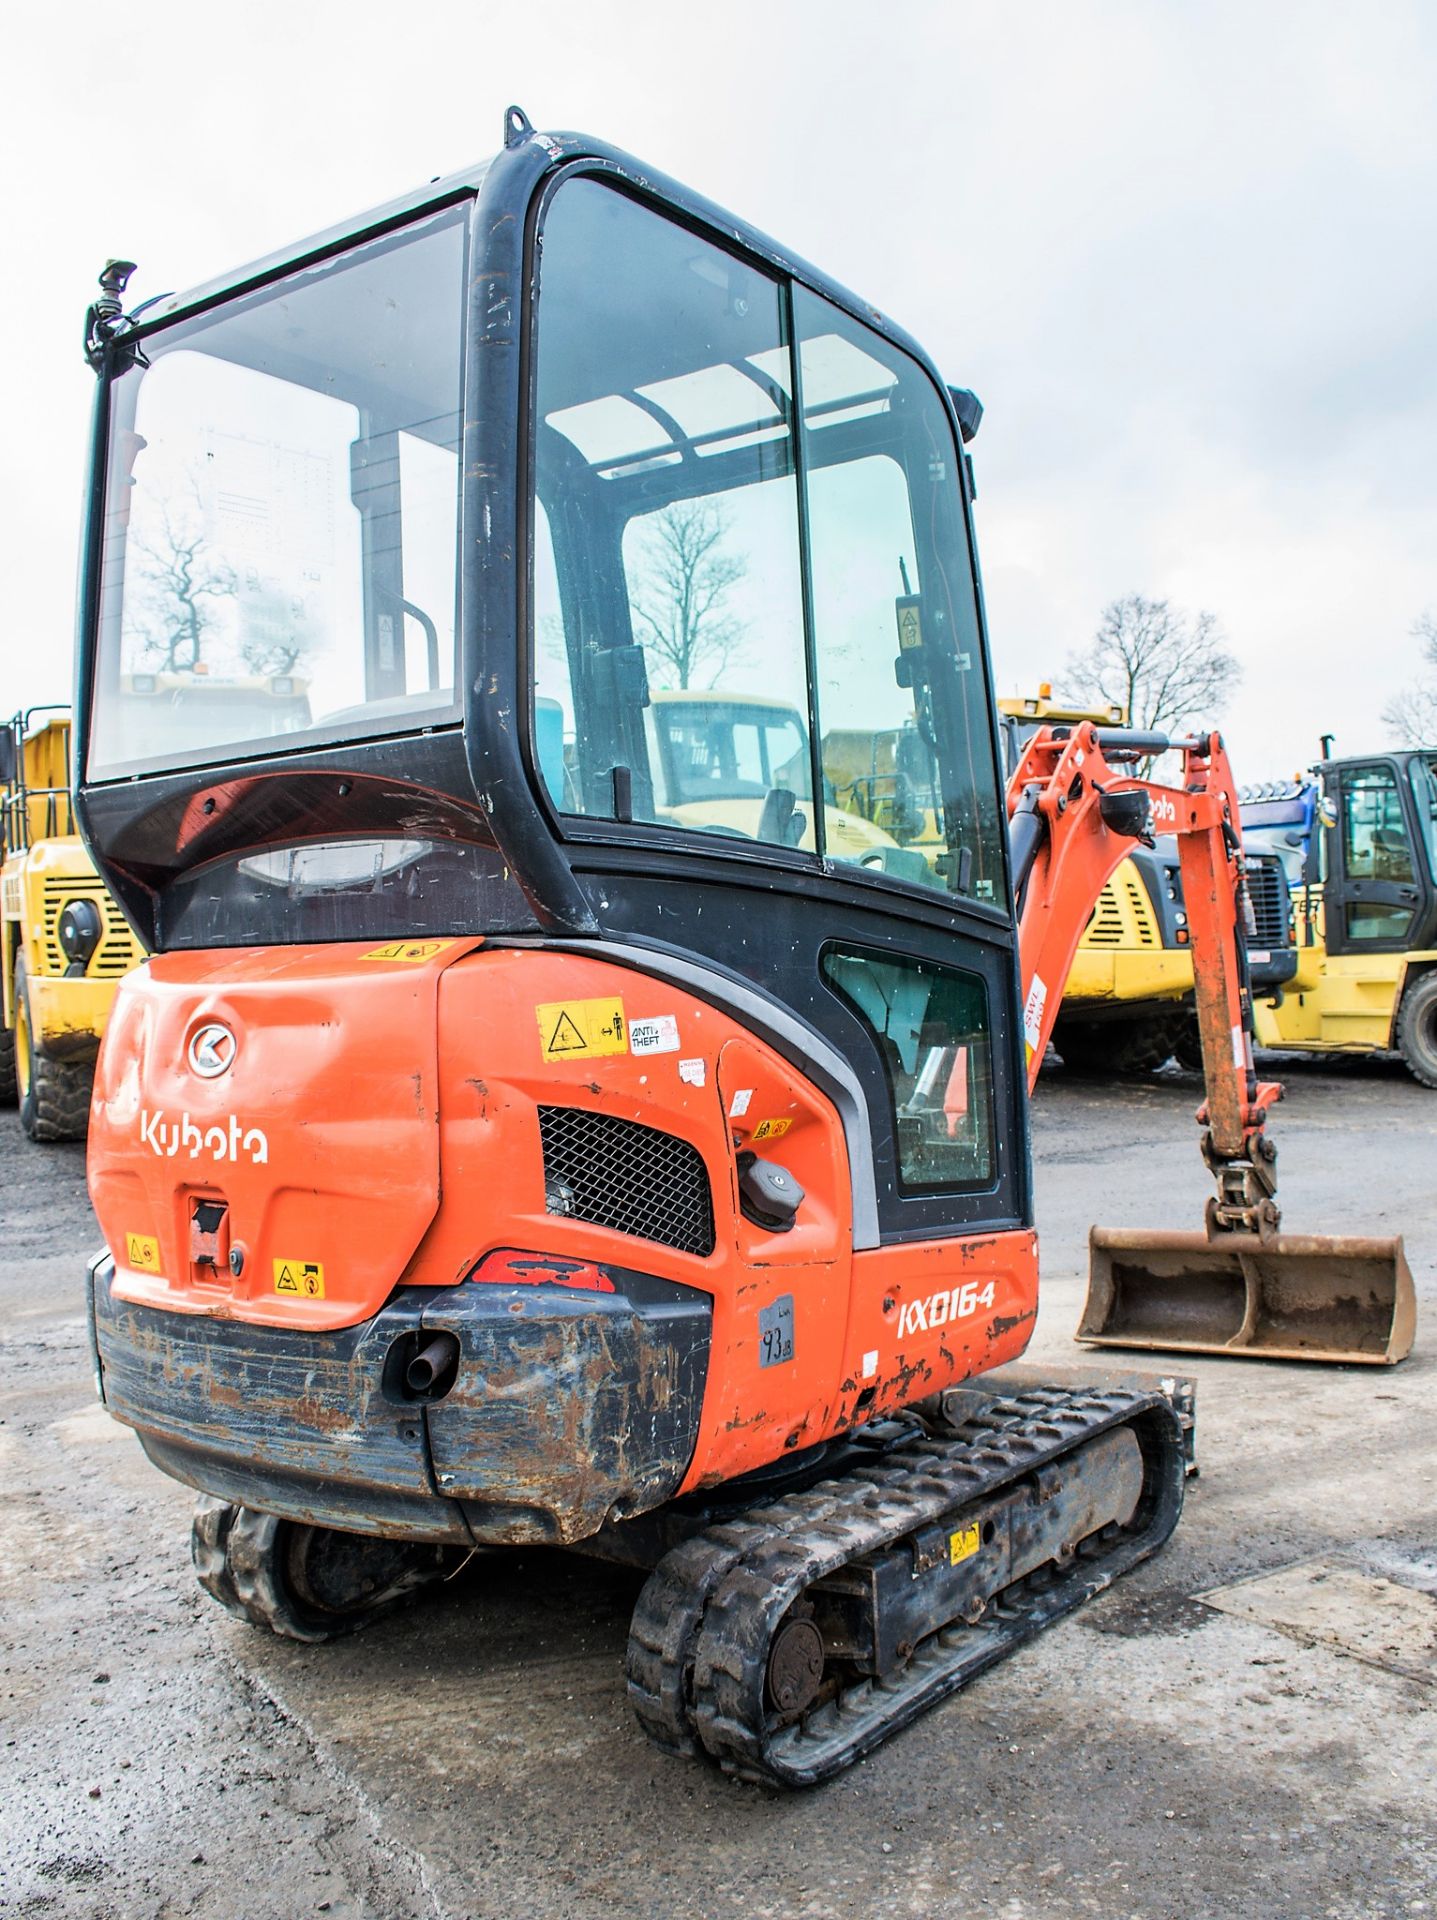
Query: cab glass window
[
  {"x": 1424, "y": 791},
  {"x": 282, "y": 513},
  {"x": 1375, "y": 840},
  {"x": 910, "y": 780},
  {"x": 668, "y": 608},
  {"x": 930, "y": 1025}
]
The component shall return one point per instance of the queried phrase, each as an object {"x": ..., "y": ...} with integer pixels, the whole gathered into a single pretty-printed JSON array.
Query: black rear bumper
[{"x": 569, "y": 1408}]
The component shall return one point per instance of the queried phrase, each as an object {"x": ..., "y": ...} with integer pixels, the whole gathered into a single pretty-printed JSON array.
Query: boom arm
[{"x": 1075, "y": 806}]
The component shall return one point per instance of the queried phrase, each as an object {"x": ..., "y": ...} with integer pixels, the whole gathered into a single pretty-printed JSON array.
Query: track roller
[{"x": 303, "y": 1582}]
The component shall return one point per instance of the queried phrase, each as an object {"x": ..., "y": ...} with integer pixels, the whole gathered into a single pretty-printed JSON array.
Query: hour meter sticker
[
  {"x": 303, "y": 1278},
  {"x": 410, "y": 952},
  {"x": 142, "y": 1253},
  {"x": 582, "y": 1029}
]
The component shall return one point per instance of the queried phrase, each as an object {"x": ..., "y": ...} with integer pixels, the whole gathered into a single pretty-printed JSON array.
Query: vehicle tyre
[
  {"x": 54, "y": 1095},
  {"x": 1118, "y": 1046},
  {"x": 7, "y": 1066},
  {"x": 1417, "y": 1029},
  {"x": 302, "y": 1582},
  {"x": 1187, "y": 1048}
]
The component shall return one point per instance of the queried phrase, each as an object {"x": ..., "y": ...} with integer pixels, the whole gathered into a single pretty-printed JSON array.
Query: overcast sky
[{"x": 1185, "y": 255}]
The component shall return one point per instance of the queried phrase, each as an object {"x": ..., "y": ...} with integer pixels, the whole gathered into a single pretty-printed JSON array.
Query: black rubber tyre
[
  {"x": 7, "y": 1066},
  {"x": 302, "y": 1582},
  {"x": 54, "y": 1095},
  {"x": 1118, "y": 1046},
  {"x": 1417, "y": 1029},
  {"x": 1187, "y": 1048}
]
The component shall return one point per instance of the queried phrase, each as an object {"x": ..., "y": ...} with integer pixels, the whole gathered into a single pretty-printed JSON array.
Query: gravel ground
[{"x": 1153, "y": 1757}]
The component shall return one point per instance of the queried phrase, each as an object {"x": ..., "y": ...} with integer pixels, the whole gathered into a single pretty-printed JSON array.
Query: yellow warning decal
[
  {"x": 142, "y": 1253},
  {"x": 582, "y": 1029},
  {"x": 412, "y": 952},
  {"x": 771, "y": 1129},
  {"x": 304, "y": 1278},
  {"x": 964, "y": 1544}
]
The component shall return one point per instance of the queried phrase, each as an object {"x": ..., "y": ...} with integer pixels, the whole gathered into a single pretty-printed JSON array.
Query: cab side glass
[
  {"x": 1377, "y": 850},
  {"x": 668, "y": 610},
  {"x": 910, "y": 779},
  {"x": 930, "y": 1025}
]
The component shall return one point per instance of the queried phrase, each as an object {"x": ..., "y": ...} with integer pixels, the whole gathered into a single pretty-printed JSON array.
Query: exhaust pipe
[
  {"x": 430, "y": 1374},
  {"x": 1294, "y": 1296}
]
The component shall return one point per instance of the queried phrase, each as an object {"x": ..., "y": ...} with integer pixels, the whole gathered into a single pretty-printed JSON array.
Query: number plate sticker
[{"x": 775, "y": 1332}]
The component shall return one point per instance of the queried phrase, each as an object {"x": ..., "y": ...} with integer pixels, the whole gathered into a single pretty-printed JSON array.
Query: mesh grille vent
[
  {"x": 633, "y": 1179},
  {"x": 1269, "y": 907}
]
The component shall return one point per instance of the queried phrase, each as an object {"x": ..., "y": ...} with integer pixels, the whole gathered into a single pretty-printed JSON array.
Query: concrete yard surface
[{"x": 1245, "y": 1726}]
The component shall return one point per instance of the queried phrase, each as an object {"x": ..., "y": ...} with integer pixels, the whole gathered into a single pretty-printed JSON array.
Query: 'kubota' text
[{"x": 170, "y": 1137}]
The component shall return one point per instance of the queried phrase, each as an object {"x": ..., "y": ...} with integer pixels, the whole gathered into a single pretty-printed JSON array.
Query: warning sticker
[
  {"x": 582, "y": 1029},
  {"x": 659, "y": 1035},
  {"x": 142, "y": 1253},
  {"x": 771, "y": 1129},
  {"x": 411, "y": 952},
  {"x": 693, "y": 1072},
  {"x": 304, "y": 1278},
  {"x": 964, "y": 1544}
]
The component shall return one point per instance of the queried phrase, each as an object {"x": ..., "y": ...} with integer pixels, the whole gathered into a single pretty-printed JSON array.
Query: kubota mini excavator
[{"x": 490, "y": 1154}]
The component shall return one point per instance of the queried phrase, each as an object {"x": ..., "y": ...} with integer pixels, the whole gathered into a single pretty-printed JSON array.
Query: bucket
[{"x": 1296, "y": 1296}]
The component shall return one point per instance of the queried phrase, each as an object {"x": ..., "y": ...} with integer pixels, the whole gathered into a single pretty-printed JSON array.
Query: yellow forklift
[
  {"x": 1359, "y": 837},
  {"x": 64, "y": 945}
]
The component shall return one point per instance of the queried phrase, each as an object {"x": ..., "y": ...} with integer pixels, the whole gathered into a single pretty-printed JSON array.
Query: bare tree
[
  {"x": 1167, "y": 667},
  {"x": 1411, "y": 715},
  {"x": 274, "y": 626},
  {"x": 680, "y": 595},
  {"x": 181, "y": 584}
]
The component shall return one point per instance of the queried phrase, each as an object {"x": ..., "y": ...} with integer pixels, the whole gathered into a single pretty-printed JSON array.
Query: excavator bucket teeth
[{"x": 1295, "y": 1297}]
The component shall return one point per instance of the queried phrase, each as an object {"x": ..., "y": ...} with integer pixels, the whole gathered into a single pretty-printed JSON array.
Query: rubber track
[
  {"x": 705, "y": 1620},
  {"x": 239, "y": 1558}
]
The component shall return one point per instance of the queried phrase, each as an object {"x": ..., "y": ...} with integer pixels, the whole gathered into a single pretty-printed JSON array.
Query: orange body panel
[{"x": 397, "y": 1100}]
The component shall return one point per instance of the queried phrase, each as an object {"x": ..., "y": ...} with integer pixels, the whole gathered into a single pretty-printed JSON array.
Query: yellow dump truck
[{"x": 64, "y": 944}]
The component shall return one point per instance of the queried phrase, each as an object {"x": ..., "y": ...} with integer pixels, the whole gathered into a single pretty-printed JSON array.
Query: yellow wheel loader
[
  {"x": 64, "y": 945},
  {"x": 1360, "y": 838}
]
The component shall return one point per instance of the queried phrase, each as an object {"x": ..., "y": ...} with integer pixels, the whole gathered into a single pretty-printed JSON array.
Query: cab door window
[
  {"x": 910, "y": 779},
  {"x": 668, "y": 606},
  {"x": 1377, "y": 857}
]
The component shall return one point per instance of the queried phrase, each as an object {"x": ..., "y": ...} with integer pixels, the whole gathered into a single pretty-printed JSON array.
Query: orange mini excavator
[{"x": 502, "y": 1144}]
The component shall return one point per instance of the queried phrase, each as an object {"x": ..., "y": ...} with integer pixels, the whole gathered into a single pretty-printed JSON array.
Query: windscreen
[{"x": 282, "y": 513}]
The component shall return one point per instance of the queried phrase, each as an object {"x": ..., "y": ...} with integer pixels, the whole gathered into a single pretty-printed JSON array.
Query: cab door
[{"x": 1374, "y": 890}]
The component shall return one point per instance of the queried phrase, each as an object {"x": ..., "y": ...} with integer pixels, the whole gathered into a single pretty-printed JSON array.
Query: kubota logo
[
  {"x": 212, "y": 1050},
  {"x": 1163, "y": 810},
  {"x": 169, "y": 1137}
]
